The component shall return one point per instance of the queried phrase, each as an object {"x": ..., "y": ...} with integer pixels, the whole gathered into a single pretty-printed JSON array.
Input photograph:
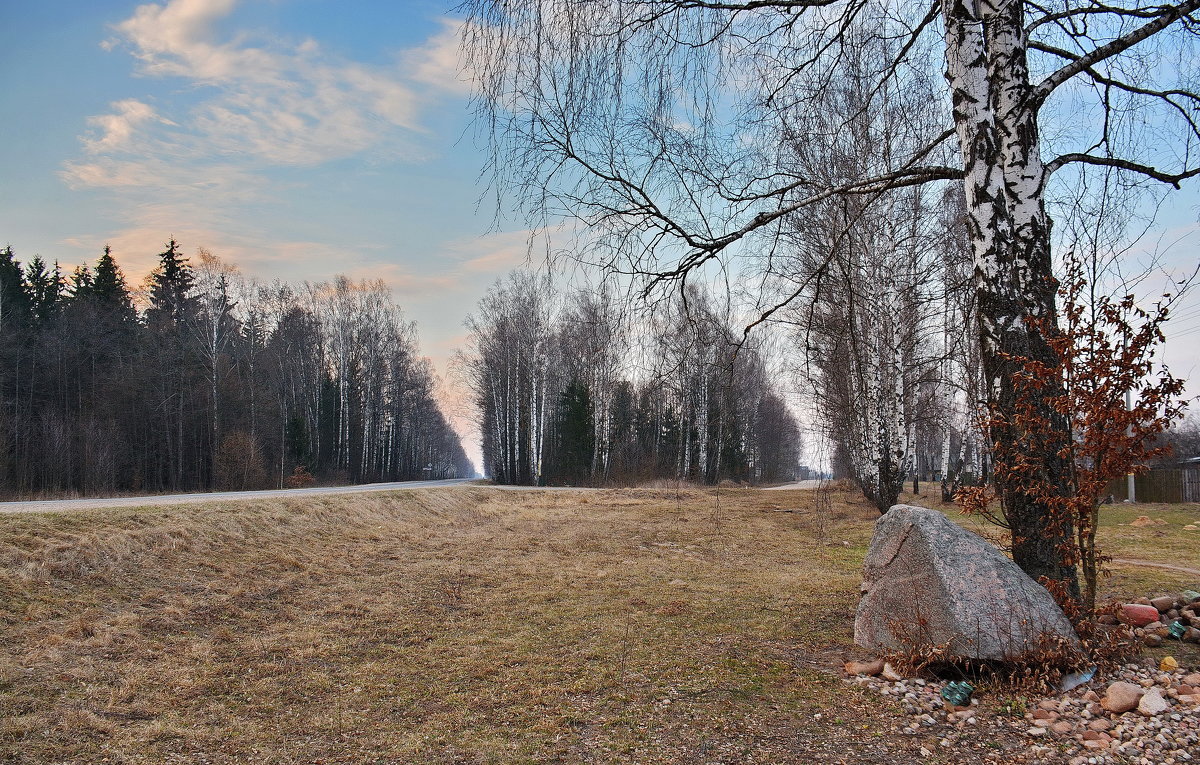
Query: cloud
[
  {"x": 136, "y": 247},
  {"x": 117, "y": 129},
  {"x": 176, "y": 39},
  {"x": 257, "y": 104},
  {"x": 493, "y": 253},
  {"x": 272, "y": 102},
  {"x": 197, "y": 188},
  {"x": 439, "y": 62},
  {"x": 202, "y": 156},
  {"x": 402, "y": 281},
  {"x": 256, "y": 108},
  {"x": 463, "y": 265},
  {"x": 107, "y": 173}
]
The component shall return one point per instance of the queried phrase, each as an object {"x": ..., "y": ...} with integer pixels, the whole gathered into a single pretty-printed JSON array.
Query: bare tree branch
[
  {"x": 1167, "y": 16},
  {"x": 1122, "y": 164}
]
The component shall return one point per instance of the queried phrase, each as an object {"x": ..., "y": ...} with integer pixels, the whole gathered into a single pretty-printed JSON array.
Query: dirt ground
[{"x": 465, "y": 625}]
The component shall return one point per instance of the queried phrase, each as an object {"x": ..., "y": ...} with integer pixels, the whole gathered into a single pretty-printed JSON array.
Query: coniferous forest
[{"x": 204, "y": 379}]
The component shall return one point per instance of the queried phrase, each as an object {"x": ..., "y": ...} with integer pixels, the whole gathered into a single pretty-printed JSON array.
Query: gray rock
[{"x": 929, "y": 582}]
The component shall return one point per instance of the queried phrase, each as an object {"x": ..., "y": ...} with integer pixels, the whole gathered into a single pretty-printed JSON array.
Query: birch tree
[
  {"x": 214, "y": 328},
  {"x": 508, "y": 367},
  {"x": 658, "y": 124},
  {"x": 861, "y": 280},
  {"x": 592, "y": 343},
  {"x": 551, "y": 380}
]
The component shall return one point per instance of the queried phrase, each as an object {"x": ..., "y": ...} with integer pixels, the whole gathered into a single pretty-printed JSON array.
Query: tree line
[
  {"x": 568, "y": 392},
  {"x": 877, "y": 296},
  {"x": 205, "y": 379}
]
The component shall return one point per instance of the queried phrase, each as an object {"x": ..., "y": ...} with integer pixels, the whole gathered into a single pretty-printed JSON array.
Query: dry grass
[
  {"x": 1166, "y": 543},
  {"x": 463, "y": 624}
]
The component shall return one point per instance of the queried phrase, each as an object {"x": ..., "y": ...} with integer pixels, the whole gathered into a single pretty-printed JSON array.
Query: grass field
[
  {"x": 463, "y": 625},
  {"x": 1164, "y": 542}
]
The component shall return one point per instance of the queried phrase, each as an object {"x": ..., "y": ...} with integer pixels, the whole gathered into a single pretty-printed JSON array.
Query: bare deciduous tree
[
  {"x": 552, "y": 383},
  {"x": 660, "y": 124}
]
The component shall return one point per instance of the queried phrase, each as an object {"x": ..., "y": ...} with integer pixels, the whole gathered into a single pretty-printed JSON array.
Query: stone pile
[
  {"x": 1142, "y": 715},
  {"x": 1152, "y": 619}
]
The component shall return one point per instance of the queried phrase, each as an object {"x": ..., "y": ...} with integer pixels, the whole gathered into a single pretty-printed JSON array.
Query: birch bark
[{"x": 995, "y": 115}]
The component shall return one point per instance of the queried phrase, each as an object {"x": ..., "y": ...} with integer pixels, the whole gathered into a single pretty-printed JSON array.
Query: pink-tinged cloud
[
  {"x": 136, "y": 249},
  {"x": 497, "y": 253},
  {"x": 402, "y": 280}
]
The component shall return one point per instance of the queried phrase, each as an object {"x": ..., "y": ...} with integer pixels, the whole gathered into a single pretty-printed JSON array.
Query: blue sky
[{"x": 296, "y": 139}]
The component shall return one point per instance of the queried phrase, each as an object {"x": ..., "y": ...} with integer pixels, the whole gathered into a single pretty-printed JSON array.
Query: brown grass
[
  {"x": 1168, "y": 543},
  {"x": 464, "y": 624}
]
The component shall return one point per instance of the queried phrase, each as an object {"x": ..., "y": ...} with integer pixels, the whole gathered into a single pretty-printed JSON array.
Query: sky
[{"x": 296, "y": 139}]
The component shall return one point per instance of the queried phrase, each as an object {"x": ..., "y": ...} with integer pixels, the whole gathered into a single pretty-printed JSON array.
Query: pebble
[
  {"x": 1123, "y": 696},
  {"x": 1160, "y": 729},
  {"x": 1094, "y": 724},
  {"x": 864, "y": 667},
  {"x": 1152, "y": 703}
]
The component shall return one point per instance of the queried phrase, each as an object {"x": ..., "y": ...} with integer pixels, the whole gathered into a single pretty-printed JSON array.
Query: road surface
[
  {"x": 798, "y": 485},
  {"x": 66, "y": 505},
  {"x": 158, "y": 500}
]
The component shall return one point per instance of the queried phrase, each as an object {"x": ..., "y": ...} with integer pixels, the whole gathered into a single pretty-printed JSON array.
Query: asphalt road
[
  {"x": 797, "y": 485},
  {"x": 156, "y": 500},
  {"x": 67, "y": 505}
]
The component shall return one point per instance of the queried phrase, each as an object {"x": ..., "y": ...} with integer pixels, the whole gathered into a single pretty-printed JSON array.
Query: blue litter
[
  {"x": 1076, "y": 679},
  {"x": 958, "y": 692}
]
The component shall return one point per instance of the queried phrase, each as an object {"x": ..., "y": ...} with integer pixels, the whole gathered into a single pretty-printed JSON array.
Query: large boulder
[{"x": 930, "y": 582}]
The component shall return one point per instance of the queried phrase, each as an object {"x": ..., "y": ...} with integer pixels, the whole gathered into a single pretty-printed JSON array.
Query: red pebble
[{"x": 1138, "y": 615}]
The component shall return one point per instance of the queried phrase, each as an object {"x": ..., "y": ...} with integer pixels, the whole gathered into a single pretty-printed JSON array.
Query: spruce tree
[
  {"x": 576, "y": 425},
  {"x": 81, "y": 282},
  {"x": 14, "y": 298},
  {"x": 171, "y": 299},
  {"x": 108, "y": 286},
  {"x": 44, "y": 287}
]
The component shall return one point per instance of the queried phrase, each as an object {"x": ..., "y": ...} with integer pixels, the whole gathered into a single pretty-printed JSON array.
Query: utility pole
[{"x": 1130, "y": 488}]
